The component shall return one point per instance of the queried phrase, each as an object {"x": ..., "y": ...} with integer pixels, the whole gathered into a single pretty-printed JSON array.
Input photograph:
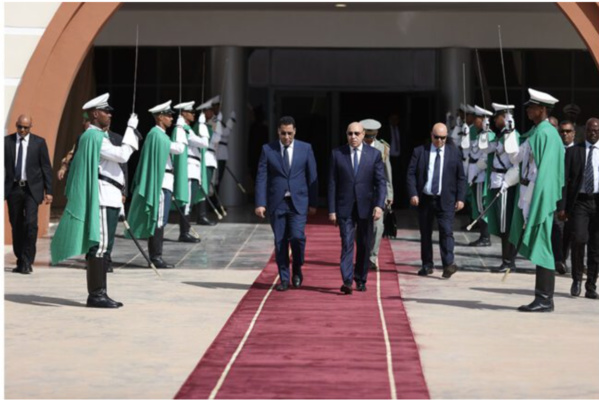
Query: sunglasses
[
  {"x": 440, "y": 137},
  {"x": 565, "y": 131},
  {"x": 20, "y": 127},
  {"x": 354, "y": 133}
]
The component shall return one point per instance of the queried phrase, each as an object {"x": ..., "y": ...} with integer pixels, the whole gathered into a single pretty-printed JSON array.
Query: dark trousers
[
  {"x": 288, "y": 226},
  {"x": 184, "y": 223},
  {"x": 428, "y": 209},
  {"x": 560, "y": 239},
  {"x": 22, "y": 212},
  {"x": 109, "y": 219},
  {"x": 221, "y": 171},
  {"x": 359, "y": 230},
  {"x": 585, "y": 230}
]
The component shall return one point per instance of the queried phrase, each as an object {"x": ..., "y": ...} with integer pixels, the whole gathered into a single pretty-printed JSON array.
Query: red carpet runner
[{"x": 314, "y": 342}]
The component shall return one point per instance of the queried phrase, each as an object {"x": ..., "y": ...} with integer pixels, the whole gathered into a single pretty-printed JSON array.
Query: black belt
[
  {"x": 21, "y": 183},
  {"x": 111, "y": 181},
  {"x": 472, "y": 160},
  {"x": 211, "y": 150},
  {"x": 223, "y": 143},
  {"x": 171, "y": 171},
  {"x": 432, "y": 197},
  {"x": 194, "y": 157},
  {"x": 499, "y": 170},
  {"x": 587, "y": 197}
]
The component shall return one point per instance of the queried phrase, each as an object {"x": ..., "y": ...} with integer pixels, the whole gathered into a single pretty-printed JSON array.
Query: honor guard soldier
[
  {"x": 480, "y": 136},
  {"x": 503, "y": 177},
  {"x": 153, "y": 182},
  {"x": 541, "y": 159},
  {"x": 94, "y": 198},
  {"x": 188, "y": 171},
  {"x": 222, "y": 152},
  {"x": 203, "y": 128},
  {"x": 371, "y": 129},
  {"x": 216, "y": 140}
]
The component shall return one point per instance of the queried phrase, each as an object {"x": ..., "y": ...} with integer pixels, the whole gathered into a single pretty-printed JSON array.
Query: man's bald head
[
  {"x": 355, "y": 134},
  {"x": 439, "y": 135},
  {"x": 24, "y": 123}
]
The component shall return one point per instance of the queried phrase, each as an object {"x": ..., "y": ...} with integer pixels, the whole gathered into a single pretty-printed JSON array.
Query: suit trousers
[
  {"x": 429, "y": 208},
  {"x": 560, "y": 239},
  {"x": 585, "y": 230},
  {"x": 22, "y": 212},
  {"x": 359, "y": 230},
  {"x": 288, "y": 226}
]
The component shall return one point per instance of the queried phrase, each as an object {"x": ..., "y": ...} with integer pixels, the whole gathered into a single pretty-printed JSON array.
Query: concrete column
[
  {"x": 229, "y": 79},
  {"x": 451, "y": 81}
]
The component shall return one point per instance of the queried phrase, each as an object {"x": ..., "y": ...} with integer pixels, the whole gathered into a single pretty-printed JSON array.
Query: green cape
[
  {"x": 147, "y": 184},
  {"x": 548, "y": 152},
  {"x": 79, "y": 226},
  {"x": 181, "y": 187}
]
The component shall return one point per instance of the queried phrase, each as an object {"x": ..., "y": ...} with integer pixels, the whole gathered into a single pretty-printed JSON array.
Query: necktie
[
  {"x": 19, "y": 165},
  {"x": 286, "y": 159},
  {"x": 589, "y": 177},
  {"x": 436, "y": 173},
  {"x": 355, "y": 161}
]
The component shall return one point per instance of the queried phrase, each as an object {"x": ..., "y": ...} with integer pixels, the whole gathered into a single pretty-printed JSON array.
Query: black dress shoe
[
  {"x": 297, "y": 281},
  {"x": 160, "y": 263},
  {"x": 590, "y": 294},
  {"x": 18, "y": 270},
  {"x": 283, "y": 286},
  {"x": 346, "y": 289},
  {"x": 538, "y": 306},
  {"x": 576, "y": 288},
  {"x": 204, "y": 221},
  {"x": 102, "y": 301},
  {"x": 560, "y": 268},
  {"x": 424, "y": 271},
  {"x": 373, "y": 266},
  {"x": 503, "y": 268},
  {"x": 481, "y": 242},
  {"x": 361, "y": 287},
  {"x": 449, "y": 270},
  {"x": 188, "y": 238}
]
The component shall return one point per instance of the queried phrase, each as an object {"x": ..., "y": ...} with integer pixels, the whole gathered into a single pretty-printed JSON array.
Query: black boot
[
  {"x": 481, "y": 242},
  {"x": 184, "y": 231},
  {"x": 96, "y": 285},
  {"x": 577, "y": 250},
  {"x": 508, "y": 255},
  {"x": 108, "y": 262},
  {"x": 544, "y": 287},
  {"x": 591, "y": 284},
  {"x": 202, "y": 215},
  {"x": 155, "y": 249}
]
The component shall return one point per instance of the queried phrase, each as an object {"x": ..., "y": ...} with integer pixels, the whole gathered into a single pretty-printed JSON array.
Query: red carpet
[{"x": 314, "y": 343}]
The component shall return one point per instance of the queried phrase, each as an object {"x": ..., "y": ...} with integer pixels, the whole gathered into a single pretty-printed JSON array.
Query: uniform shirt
[
  {"x": 25, "y": 144},
  {"x": 110, "y": 158},
  {"x": 222, "y": 152},
  {"x": 431, "y": 169},
  {"x": 475, "y": 175},
  {"x": 528, "y": 171},
  {"x": 290, "y": 155},
  {"x": 595, "y": 162},
  {"x": 194, "y": 167},
  {"x": 214, "y": 140},
  {"x": 501, "y": 161},
  {"x": 177, "y": 148}
]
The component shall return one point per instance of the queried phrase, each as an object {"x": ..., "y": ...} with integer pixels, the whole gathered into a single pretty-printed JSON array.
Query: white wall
[
  {"x": 298, "y": 28},
  {"x": 24, "y": 25}
]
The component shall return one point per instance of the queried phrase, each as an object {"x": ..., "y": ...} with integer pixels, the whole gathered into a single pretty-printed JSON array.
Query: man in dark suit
[
  {"x": 357, "y": 192},
  {"x": 580, "y": 205},
  {"x": 437, "y": 186},
  {"x": 27, "y": 176},
  {"x": 287, "y": 187}
]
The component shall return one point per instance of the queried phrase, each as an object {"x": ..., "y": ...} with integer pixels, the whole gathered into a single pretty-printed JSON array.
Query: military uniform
[
  {"x": 94, "y": 192},
  {"x": 208, "y": 160}
]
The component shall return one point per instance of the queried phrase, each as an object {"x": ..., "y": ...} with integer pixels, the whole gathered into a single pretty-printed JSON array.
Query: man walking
[
  {"x": 287, "y": 188},
  {"x": 437, "y": 186},
  {"x": 27, "y": 182},
  {"x": 356, "y": 197}
]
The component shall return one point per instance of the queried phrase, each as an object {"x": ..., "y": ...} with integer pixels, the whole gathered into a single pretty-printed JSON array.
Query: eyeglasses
[
  {"x": 354, "y": 133},
  {"x": 20, "y": 127},
  {"x": 440, "y": 137},
  {"x": 285, "y": 133},
  {"x": 565, "y": 131}
]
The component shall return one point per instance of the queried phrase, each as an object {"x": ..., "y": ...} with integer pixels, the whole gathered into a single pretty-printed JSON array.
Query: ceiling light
[{"x": 340, "y": 5}]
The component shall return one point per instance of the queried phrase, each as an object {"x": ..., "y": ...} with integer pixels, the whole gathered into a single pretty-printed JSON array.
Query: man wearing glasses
[
  {"x": 356, "y": 197},
  {"x": 287, "y": 187},
  {"x": 437, "y": 186},
  {"x": 27, "y": 177}
]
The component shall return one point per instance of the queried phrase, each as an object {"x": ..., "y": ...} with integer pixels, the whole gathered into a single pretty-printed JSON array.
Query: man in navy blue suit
[
  {"x": 287, "y": 187},
  {"x": 357, "y": 191},
  {"x": 437, "y": 186}
]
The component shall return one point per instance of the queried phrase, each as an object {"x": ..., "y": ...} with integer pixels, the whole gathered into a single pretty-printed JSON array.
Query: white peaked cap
[
  {"x": 540, "y": 98},
  {"x": 162, "y": 108},
  {"x": 370, "y": 124},
  {"x": 470, "y": 110},
  {"x": 499, "y": 108},
  {"x": 479, "y": 111},
  {"x": 187, "y": 106},
  {"x": 205, "y": 105},
  {"x": 463, "y": 107},
  {"x": 215, "y": 100},
  {"x": 100, "y": 102}
]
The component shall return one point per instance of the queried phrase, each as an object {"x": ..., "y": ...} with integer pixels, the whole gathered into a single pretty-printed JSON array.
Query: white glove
[
  {"x": 511, "y": 178},
  {"x": 511, "y": 143},
  {"x": 130, "y": 138},
  {"x": 180, "y": 121},
  {"x": 481, "y": 164},
  {"x": 203, "y": 130},
  {"x": 181, "y": 135},
  {"x": 122, "y": 212},
  {"x": 133, "y": 121}
]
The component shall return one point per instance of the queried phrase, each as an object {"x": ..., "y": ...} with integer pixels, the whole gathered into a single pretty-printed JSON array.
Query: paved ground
[{"x": 473, "y": 343}]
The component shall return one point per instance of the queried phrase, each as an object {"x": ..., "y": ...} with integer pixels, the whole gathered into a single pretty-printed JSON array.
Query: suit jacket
[
  {"x": 367, "y": 189},
  {"x": 272, "y": 182},
  {"x": 37, "y": 165},
  {"x": 574, "y": 171},
  {"x": 453, "y": 182}
]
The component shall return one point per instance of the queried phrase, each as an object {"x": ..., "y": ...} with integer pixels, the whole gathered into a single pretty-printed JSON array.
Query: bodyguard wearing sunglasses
[
  {"x": 27, "y": 182},
  {"x": 437, "y": 186}
]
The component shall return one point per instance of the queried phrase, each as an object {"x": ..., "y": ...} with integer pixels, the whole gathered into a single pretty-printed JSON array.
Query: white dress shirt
[
  {"x": 352, "y": 149},
  {"x": 431, "y": 169},
  {"x": 290, "y": 155},
  {"x": 595, "y": 162},
  {"x": 194, "y": 167},
  {"x": 23, "y": 162}
]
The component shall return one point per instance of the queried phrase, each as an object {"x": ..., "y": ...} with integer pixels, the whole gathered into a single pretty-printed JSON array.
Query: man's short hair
[
  {"x": 286, "y": 121},
  {"x": 564, "y": 122}
]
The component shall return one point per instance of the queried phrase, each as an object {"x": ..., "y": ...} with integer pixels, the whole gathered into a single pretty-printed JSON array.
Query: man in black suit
[
  {"x": 580, "y": 205},
  {"x": 27, "y": 176},
  {"x": 437, "y": 186},
  {"x": 357, "y": 193}
]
